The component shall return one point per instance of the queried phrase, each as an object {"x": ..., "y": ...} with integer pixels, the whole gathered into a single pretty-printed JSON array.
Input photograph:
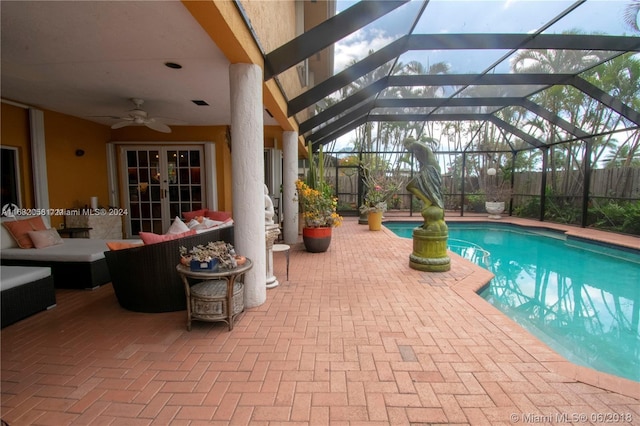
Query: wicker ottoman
[{"x": 208, "y": 301}]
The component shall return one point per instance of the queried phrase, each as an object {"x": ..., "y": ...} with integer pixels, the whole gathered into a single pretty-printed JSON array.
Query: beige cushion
[
  {"x": 45, "y": 238},
  {"x": 14, "y": 276}
]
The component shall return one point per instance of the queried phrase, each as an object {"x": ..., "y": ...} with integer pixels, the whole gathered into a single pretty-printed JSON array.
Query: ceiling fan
[{"x": 140, "y": 116}]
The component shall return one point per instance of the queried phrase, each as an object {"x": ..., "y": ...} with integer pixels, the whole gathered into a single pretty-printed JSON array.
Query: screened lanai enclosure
[{"x": 535, "y": 103}]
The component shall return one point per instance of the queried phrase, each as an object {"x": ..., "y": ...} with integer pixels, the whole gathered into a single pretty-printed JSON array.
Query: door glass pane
[
  {"x": 10, "y": 178},
  {"x": 183, "y": 158},
  {"x": 143, "y": 159},
  {"x": 195, "y": 158},
  {"x": 146, "y": 225},
  {"x": 143, "y": 175},
  {"x": 174, "y": 210},
  {"x": 183, "y": 176},
  {"x": 172, "y": 178},
  {"x": 196, "y": 193},
  {"x": 184, "y": 194},
  {"x": 195, "y": 175},
  {"x": 143, "y": 171},
  {"x": 132, "y": 159},
  {"x": 185, "y": 189}
]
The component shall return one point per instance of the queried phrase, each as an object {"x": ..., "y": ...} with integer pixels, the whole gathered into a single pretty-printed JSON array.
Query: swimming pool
[{"x": 581, "y": 299}]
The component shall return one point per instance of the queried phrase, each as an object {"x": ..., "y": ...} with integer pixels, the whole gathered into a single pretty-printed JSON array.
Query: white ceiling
[{"x": 88, "y": 58}]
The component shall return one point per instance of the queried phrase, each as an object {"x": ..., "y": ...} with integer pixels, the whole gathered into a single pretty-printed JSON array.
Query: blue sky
[{"x": 477, "y": 16}]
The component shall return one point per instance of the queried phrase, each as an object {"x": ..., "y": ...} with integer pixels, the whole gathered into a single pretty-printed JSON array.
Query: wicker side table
[{"x": 218, "y": 296}]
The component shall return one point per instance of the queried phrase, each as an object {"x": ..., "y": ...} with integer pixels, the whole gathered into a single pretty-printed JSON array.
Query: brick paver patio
[{"x": 354, "y": 337}]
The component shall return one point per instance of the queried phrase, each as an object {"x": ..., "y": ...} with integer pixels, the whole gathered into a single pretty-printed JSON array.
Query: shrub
[{"x": 616, "y": 216}]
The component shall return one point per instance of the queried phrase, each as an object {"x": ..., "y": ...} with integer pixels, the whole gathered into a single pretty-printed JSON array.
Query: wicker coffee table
[{"x": 214, "y": 296}]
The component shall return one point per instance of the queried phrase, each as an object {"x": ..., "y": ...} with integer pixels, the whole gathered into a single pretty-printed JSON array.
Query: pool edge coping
[{"x": 469, "y": 287}]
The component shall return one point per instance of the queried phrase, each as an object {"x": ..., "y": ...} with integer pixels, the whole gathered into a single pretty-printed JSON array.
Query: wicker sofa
[{"x": 145, "y": 279}]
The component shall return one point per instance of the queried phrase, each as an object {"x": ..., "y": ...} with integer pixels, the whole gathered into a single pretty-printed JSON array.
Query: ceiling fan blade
[
  {"x": 157, "y": 126},
  {"x": 122, "y": 124}
]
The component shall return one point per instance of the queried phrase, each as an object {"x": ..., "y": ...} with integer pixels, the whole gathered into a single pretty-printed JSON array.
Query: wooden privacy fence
[
  {"x": 615, "y": 183},
  {"x": 623, "y": 183}
]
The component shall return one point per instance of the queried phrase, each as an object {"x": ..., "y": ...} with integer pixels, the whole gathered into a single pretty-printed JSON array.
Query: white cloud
[{"x": 357, "y": 45}]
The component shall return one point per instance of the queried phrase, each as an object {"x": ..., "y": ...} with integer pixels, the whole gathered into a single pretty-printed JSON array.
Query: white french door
[{"x": 160, "y": 183}]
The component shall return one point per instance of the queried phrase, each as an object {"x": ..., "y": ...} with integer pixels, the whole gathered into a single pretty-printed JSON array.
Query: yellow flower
[{"x": 318, "y": 208}]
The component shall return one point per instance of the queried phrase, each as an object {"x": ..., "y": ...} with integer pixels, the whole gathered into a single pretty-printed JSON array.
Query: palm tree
[
  {"x": 618, "y": 76},
  {"x": 631, "y": 15}
]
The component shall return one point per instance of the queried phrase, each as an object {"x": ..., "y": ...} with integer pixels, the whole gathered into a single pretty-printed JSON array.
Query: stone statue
[
  {"x": 429, "y": 240},
  {"x": 427, "y": 185},
  {"x": 269, "y": 212}
]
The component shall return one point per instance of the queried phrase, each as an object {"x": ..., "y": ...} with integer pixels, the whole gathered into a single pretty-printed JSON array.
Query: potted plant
[
  {"x": 210, "y": 257},
  {"x": 318, "y": 206},
  {"x": 497, "y": 190},
  {"x": 374, "y": 205},
  {"x": 380, "y": 189},
  {"x": 319, "y": 216}
]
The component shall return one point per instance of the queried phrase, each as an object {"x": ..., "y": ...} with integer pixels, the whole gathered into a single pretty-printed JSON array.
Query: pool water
[{"x": 581, "y": 299}]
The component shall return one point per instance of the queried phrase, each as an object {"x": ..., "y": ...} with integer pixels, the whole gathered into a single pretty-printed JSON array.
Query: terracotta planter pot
[
  {"x": 375, "y": 221},
  {"x": 316, "y": 240}
]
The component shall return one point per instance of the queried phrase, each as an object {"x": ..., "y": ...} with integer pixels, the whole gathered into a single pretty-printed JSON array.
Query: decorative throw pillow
[
  {"x": 19, "y": 230},
  {"x": 177, "y": 227},
  {"x": 119, "y": 245},
  {"x": 205, "y": 224},
  {"x": 208, "y": 223},
  {"x": 45, "y": 238},
  {"x": 192, "y": 215},
  {"x": 151, "y": 238},
  {"x": 220, "y": 216}
]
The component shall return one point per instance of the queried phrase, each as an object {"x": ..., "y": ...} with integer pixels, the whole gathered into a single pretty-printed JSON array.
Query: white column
[
  {"x": 289, "y": 176},
  {"x": 247, "y": 163},
  {"x": 39, "y": 160}
]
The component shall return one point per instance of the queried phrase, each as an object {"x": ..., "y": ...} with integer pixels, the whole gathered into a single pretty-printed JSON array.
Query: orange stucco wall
[
  {"x": 73, "y": 179},
  {"x": 273, "y": 136}
]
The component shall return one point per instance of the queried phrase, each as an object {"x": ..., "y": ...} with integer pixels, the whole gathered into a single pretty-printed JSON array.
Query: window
[{"x": 10, "y": 170}]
